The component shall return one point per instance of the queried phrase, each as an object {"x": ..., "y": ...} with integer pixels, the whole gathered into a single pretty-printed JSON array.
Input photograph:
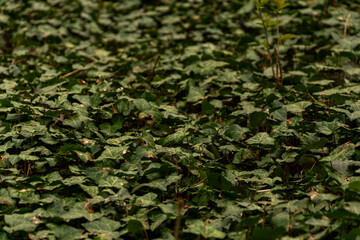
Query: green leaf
[
  {"x": 91, "y": 190},
  {"x": 236, "y": 132},
  {"x": 195, "y": 94},
  {"x": 135, "y": 226},
  {"x": 341, "y": 153},
  {"x": 207, "y": 67},
  {"x": 148, "y": 139},
  {"x": 207, "y": 108},
  {"x": 74, "y": 180},
  {"x": 284, "y": 37},
  {"x": 280, "y": 114},
  {"x": 112, "y": 153},
  {"x": 159, "y": 184},
  {"x": 65, "y": 232},
  {"x": 353, "y": 234},
  {"x": 354, "y": 186},
  {"x": 298, "y": 107},
  {"x": 307, "y": 160},
  {"x": 112, "y": 181},
  {"x": 95, "y": 173},
  {"x": 78, "y": 210},
  {"x": 281, "y": 219},
  {"x": 266, "y": 233},
  {"x": 262, "y": 138},
  {"x": 5, "y": 198},
  {"x": 147, "y": 200},
  {"x": 142, "y": 104},
  {"x": 6, "y": 146},
  {"x": 157, "y": 220},
  {"x": 327, "y": 128},
  {"x": 21, "y": 222},
  {"x": 103, "y": 226},
  {"x": 176, "y": 137},
  {"x": 74, "y": 121},
  {"x": 198, "y": 227},
  {"x": 318, "y": 222}
]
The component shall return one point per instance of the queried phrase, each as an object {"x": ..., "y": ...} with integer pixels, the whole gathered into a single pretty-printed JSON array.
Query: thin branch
[
  {"x": 263, "y": 190},
  {"x": 152, "y": 73},
  {"x": 327, "y": 113},
  {"x": 70, "y": 73},
  {"x": 313, "y": 166},
  {"x": 189, "y": 186}
]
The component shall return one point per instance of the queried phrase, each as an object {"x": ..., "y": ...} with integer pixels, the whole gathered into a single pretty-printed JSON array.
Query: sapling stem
[
  {"x": 267, "y": 42},
  {"x": 277, "y": 52},
  {"x": 278, "y": 66},
  {"x": 180, "y": 203},
  {"x": 346, "y": 24}
]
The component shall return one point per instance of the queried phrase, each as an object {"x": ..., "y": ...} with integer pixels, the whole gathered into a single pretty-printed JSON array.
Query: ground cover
[{"x": 193, "y": 119}]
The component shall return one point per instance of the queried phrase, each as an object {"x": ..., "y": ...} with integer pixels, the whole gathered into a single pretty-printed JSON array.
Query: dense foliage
[{"x": 166, "y": 119}]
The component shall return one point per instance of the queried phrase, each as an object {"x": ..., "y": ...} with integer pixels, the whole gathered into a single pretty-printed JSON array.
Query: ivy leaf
[
  {"x": 198, "y": 227},
  {"x": 298, "y": 107},
  {"x": 142, "y": 104},
  {"x": 157, "y": 220},
  {"x": 207, "y": 108},
  {"x": 103, "y": 226},
  {"x": 112, "y": 153},
  {"x": 65, "y": 232},
  {"x": 207, "y": 67},
  {"x": 20, "y": 222},
  {"x": 147, "y": 200},
  {"x": 281, "y": 219},
  {"x": 91, "y": 190},
  {"x": 78, "y": 210},
  {"x": 236, "y": 132},
  {"x": 112, "y": 181},
  {"x": 195, "y": 94},
  {"x": 341, "y": 153},
  {"x": 280, "y": 114},
  {"x": 176, "y": 137},
  {"x": 148, "y": 139},
  {"x": 262, "y": 138},
  {"x": 135, "y": 226},
  {"x": 327, "y": 128}
]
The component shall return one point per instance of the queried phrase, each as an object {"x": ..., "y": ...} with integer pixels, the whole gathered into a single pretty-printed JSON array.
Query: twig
[
  {"x": 313, "y": 166},
  {"x": 346, "y": 24},
  {"x": 70, "y": 73},
  {"x": 189, "y": 186},
  {"x": 263, "y": 190},
  {"x": 327, "y": 113},
  {"x": 152, "y": 73}
]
